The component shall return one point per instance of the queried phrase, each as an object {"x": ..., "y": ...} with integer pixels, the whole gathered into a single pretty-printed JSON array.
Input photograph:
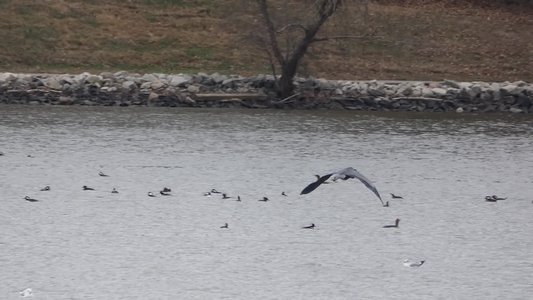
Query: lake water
[{"x": 76, "y": 244}]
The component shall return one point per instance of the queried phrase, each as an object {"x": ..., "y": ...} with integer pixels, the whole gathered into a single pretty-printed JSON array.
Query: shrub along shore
[{"x": 216, "y": 90}]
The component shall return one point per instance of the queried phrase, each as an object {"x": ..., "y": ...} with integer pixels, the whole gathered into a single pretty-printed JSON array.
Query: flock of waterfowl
[{"x": 342, "y": 174}]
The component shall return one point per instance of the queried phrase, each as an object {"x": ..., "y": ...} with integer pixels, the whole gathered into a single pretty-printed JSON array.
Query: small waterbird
[
  {"x": 309, "y": 227},
  {"x": 396, "y": 196},
  {"x": 27, "y": 198},
  {"x": 224, "y": 226},
  {"x": 396, "y": 224},
  {"x": 413, "y": 264},
  {"x": 86, "y": 188}
]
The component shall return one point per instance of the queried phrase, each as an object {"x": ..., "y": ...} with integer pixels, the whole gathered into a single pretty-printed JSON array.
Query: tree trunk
[{"x": 289, "y": 65}]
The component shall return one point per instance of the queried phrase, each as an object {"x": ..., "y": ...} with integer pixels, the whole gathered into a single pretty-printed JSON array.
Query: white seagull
[
  {"x": 343, "y": 174},
  {"x": 412, "y": 264},
  {"x": 26, "y": 293}
]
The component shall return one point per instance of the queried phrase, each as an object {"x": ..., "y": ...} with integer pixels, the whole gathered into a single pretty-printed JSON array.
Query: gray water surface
[{"x": 76, "y": 244}]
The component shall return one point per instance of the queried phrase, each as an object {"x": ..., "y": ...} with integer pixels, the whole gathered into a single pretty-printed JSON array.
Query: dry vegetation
[{"x": 411, "y": 40}]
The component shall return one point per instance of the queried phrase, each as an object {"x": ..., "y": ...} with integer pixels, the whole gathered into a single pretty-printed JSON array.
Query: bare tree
[{"x": 290, "y": 28}]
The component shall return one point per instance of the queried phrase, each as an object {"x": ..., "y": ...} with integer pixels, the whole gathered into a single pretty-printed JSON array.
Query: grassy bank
[{"x": 415, "y": 40}]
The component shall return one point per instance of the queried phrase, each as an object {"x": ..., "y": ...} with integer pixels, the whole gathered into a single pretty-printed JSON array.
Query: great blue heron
[{"x": 343, "y": 174}]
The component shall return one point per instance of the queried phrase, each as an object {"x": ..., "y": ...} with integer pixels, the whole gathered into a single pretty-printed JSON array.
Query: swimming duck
[
  {"x": 238, "y": 198},
  {"x": 265, "y": 199},
  {"x": 167, "y": 190},
  {"x": 490, "y": 199},
  {"x": 413, "y": 264},
  {"x": 283, "y": 194},
  {"x": 164, "y": 193},
  {"x": 213, "y": 191},
  {"x": 46, "y": 188},
  {"x": 102, "y": 174},
  {"x": 224, "y": 226},
  {"x": 224, "y": 196},
  {"x": 114, "y": 191},
  {"x": 396, "y": 223},
  {"x": 396, "y": 196},
  {"x": 150, "y": 194},
  {"x": 309, "y": 227},
  {"x": 386, "y": 204},
  {"x": 86, "y": 188},
  {"x": 30, "y": 199}
]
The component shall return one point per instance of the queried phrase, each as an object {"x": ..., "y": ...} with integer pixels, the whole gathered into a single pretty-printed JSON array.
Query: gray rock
[
  {"x": 451, "y": 83},
  {"x": 128, "y": 85},
  {"x": 146, "y": 85},
  {"x": 153, "y": 97},
  {"x": 193, "y": 89},
  {"x": 94, "y": 79},
  {"x": 177, "y": 80},
  {"x": 53, "y": 83},
  {"x": 7, "y": 77},
  {"x": 516, "y": 110},
  {"x": 439, "y": 92},
  {"x": 149, "y": 77}
]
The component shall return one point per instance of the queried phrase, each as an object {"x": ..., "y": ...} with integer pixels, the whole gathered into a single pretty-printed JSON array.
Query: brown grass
[{"x": 414, "y": 40}]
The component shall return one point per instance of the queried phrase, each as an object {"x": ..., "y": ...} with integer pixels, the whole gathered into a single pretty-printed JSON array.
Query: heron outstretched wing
[
  {"x": 351, "y": 172},
  {"x": 312, "y": 186}
]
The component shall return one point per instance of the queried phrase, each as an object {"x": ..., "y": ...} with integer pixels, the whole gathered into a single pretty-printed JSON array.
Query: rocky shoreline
[{"x": 216, "y": 90}]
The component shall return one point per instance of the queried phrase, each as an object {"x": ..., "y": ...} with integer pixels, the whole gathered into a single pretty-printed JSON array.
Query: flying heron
[{"x": 343, "y": 174}]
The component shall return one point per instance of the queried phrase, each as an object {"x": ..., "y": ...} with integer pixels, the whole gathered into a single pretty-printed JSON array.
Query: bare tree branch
[
  {"x": 340, "y": 37},
  {"x": 289, "y": 26},
  {"x": 263, "y": 8}
]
